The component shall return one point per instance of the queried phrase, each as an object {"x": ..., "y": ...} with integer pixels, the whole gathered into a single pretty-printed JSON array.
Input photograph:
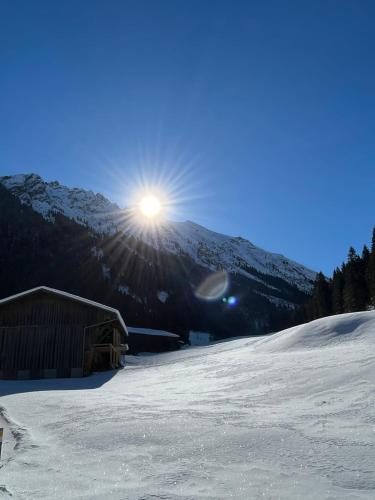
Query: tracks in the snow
[{"x": 16, "y": 439}]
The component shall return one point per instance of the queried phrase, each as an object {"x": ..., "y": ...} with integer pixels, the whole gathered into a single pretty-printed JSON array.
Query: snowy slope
[
  {"x": 234, "y": 254},
  {"x": 50, "y": 198},
  {"x": 287, "y": 416},
  {"x": 350, "y": 327},
  {"x": 207, "y": 248}
]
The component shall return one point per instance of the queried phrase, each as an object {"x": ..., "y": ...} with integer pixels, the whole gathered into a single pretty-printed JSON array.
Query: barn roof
[
  {"x": 149, "y": 331},
  {"x": 70, "y": 296}
]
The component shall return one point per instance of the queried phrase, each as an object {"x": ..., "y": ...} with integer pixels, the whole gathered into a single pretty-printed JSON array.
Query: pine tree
[
  {"x": 365, "y": 254},
  {"x": 355, "y": 284},
  {"x": 364, "y": 270},
  {"x": 371, "y": 271},
  {"x": 337, "y": 291},
  {"x": 321, "y": 299},
  {"x": 349, "y": 292},
  {"x": 352, "y": 287}
]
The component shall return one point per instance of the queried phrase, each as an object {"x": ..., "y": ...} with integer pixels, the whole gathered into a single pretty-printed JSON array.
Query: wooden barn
[
  {"x": 149, "y": 340},
  {"x": 49, "y": 333}
]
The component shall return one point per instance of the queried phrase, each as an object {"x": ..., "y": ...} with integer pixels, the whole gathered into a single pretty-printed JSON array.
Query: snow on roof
[
  {"x": 68, "y": 296},
  {"x": 149, "y": 331}
]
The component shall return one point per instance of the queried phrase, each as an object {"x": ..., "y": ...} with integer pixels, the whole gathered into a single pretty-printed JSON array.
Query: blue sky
[{"x": 258, "y": 116}]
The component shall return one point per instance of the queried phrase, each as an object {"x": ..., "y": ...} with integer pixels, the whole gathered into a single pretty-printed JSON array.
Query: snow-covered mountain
[
  {"x": 50, "y": 198},
  {"x": 233, "y": 254},
  {"x": 207, "y": 248}
]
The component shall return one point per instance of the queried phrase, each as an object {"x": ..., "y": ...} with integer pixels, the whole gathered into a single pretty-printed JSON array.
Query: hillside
[
  {"x": 205, "y": 247},
  {"x": 53, "y": 233},
  {"x": 280, "y": 417}
]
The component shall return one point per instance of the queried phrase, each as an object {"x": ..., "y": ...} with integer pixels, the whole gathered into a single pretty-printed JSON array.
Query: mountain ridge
[{"x": 210, "y": 249}]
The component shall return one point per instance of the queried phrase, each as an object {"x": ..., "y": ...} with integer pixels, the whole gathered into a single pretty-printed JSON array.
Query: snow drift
[
  {"x": 288, "y": 416},
  {"x": 359, "y": 327}
]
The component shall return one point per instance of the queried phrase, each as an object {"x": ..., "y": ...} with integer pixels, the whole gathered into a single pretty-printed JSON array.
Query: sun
[{"x": 150, "y": 206}]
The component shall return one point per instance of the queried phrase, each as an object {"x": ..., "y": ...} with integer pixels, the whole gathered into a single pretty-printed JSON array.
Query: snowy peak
[
  {"x": 207, "y": 248},
  {"x": 49, "y": 198},
  {"x": 233, "y": 254}
]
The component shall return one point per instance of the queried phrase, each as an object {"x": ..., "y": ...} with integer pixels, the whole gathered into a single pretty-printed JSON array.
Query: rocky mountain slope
[
  {"x": 207, "y": 248},
  {"x": 152, "y": 271}
]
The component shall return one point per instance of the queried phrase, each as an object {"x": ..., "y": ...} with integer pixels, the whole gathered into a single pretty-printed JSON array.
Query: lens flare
[
  {"x": 213, "y": 287},
  {"x": 232, "y": 301}
]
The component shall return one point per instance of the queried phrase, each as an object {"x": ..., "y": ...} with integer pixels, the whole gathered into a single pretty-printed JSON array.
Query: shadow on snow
[{"x": 94, "y": 381}]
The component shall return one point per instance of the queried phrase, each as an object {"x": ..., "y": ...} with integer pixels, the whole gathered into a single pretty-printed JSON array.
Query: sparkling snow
[{"x": 278, "y": 417}]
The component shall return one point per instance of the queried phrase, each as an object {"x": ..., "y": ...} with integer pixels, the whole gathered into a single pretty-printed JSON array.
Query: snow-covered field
[{"x": 285, "y": 416}]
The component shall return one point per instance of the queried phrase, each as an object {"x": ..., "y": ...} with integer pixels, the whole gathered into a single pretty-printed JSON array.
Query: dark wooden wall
[
  {"x": 42, "y": 335},
  {"x": 151, "y": 343},
  {"x": 40, "y": 350}
]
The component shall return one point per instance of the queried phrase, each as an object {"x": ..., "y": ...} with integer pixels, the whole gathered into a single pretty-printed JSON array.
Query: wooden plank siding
[
  {"x": 41, "y": 348},
  {"x": 46, "y": 335},
  {"x": 42, "y": 309}
]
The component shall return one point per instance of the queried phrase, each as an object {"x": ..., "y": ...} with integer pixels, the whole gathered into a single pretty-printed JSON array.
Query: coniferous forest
[{"x": 351, "y": 287}]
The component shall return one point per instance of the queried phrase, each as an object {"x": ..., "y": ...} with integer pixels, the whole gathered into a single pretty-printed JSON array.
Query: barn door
[{"x": 41, "y": 351}]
